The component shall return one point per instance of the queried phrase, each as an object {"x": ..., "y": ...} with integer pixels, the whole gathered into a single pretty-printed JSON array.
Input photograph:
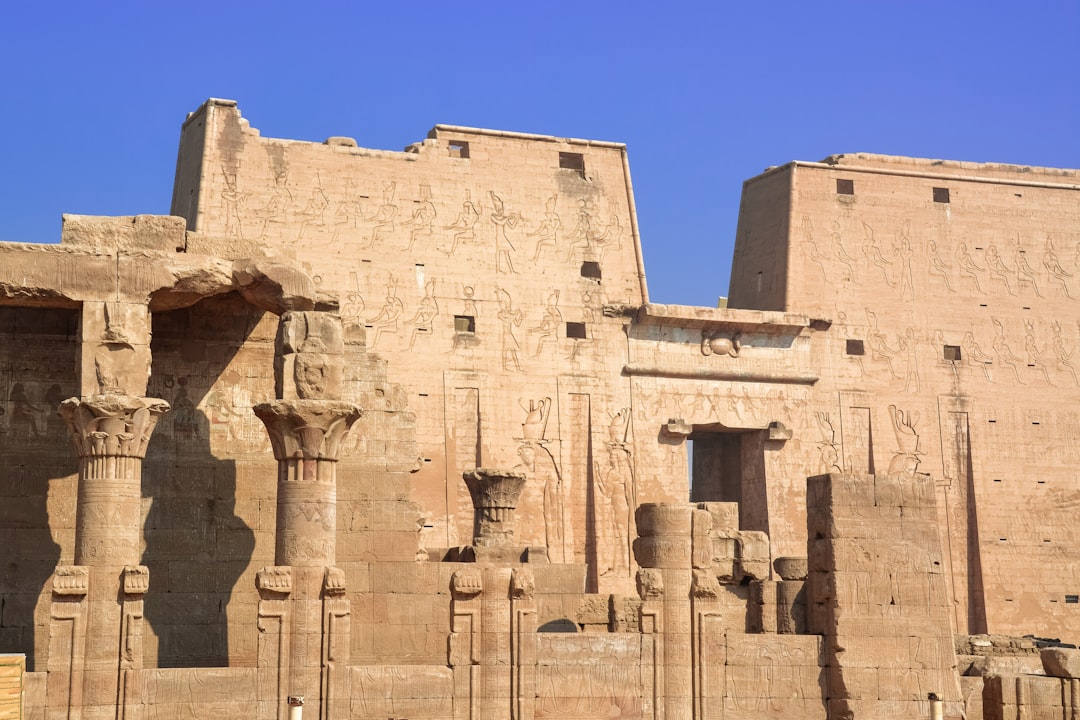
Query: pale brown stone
[
  {"x": 902, "y": 330},
  {"x": 1061, "y": 662}
]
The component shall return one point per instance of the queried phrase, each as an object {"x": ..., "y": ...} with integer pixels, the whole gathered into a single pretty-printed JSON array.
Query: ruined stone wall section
[{"x": 480, "y": 264}]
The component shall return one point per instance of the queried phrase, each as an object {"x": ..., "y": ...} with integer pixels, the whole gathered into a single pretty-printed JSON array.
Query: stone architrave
[{"x": 110, "y": 434}]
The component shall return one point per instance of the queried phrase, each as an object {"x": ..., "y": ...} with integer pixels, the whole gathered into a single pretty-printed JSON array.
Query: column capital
[
  {"x": 307, "y": 429},
  {"x": 112, "y": 425}
]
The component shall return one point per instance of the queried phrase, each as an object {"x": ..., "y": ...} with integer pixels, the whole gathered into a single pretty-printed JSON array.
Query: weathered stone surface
[
  {"x": 1061, "y": 662},
  {"x": 273, "y": 286},
  {"x": 889, "y": 317},
  {"x": 140, "y": 232}
]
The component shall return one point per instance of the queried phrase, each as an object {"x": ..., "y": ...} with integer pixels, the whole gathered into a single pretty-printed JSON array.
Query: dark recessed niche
[
  {"x": 575, "y": 330},
  {"x": 845, "y": 186},
  {"x": 1072, "y": 599},
  {"x": 952, "y": 352},
  {"x": 464, "y": 324},
  {"x": 590, "y": 269},
  {"x": 573, "y": 161},
  {"x": 855, "y": 347},
  {"x": 941, "y": 195},
  {"x": 459, "y": 149}
]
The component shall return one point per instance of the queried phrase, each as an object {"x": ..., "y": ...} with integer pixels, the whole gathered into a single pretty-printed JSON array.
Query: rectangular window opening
[
  {"x": 941, "y": 195},
  {"x": 855, "y": 347},
  {"x": 1072, "y": 599},
  {"x": 573, "y": 161},
  {"x": 575, "y": 330},
  {"x": 952, "y": 352},
  {"x": 590, "y": 269},
  {"x": 464, "y": 324},
  {"x": 845, "y": 187},
  {"x": 459, "y": 149}
]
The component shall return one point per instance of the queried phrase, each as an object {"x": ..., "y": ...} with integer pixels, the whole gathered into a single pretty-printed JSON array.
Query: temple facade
[{"x": 370, "y": 434}]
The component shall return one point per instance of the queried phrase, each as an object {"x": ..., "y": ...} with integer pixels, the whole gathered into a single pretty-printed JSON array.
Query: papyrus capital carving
[
  {"x": 114, "y": 425},
  {"x": 307, "y": 429}
]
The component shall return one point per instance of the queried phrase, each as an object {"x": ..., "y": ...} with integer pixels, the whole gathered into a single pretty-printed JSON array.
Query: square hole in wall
[
  {"x": 590, "y": 269},
  {"x": 855, "y": 347},
  {"x": 573, "y": 161},
  {"x": 459, "y": 149},
  {"x": 575, "y": 330},
  {"x": 845, "y": 186},
  {"x": 952, "y": 352},
  {"x": 941, "y": 195},
  {"x": 464, "y": 324},
  {"x": 1072, "y": 599}
]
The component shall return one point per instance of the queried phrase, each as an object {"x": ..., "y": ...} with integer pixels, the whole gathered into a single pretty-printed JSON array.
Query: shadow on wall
[
  {"x": 197, "y": 547},
  {"x": 37, "y": 371}
]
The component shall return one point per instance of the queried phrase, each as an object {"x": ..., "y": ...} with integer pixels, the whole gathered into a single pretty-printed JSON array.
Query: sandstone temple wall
[{"x": 370, "y": 434}]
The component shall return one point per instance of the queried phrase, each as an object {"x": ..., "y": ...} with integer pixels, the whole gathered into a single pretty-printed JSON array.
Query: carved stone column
[
  {"x": 666, "y": 545},
  {"x": 495, "y": 495},
  {"x": 306, "y": 436},
  {"x": 304, "y": 610},
  {"x": 110, "y": 434}
]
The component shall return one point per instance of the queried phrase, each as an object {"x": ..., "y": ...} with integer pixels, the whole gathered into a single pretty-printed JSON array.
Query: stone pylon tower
[{"x": 303, "y": 610}]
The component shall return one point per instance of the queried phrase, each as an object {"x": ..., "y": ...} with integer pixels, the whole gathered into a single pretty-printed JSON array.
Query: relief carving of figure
[
  {"x": 1064, "y": 356},
  {"x": 273, "y": 212},
  {"x": 997, "y": 267},
  {"x": 841, "y": 253},
  {"x": 234, "y": 203},
  {"x": 873, "y": 253},
  {"x": 1034, "y": 353},
  {"x": 185, "y": 424},
  {"x": 546, "y": 233},
  {"x": 617, "y": 490},
  {"x": 383, "y": 219},
  {"x": 1053, "y": 266},
  {"x": 611, "y": 235},
  {"x": 464, "y": 225},
  {"x": 967, "y": 265},
  {"x": 503, "y": 222},
  {"x": 582, "y": 234},
  {"x": 426, "y": 313},
  {"x": 830, "y": 452},
  {"x": 541, "y": 470},
  {"x": 24, "y": 413},
  {"x": 422, "y": 218},
  {"x": 349, "y": 212},
  {"x": 1004, "y": 354},
  {"x": 975, "y": 355},
  {"x": 907, "y": 455},
  {"x": 548, "y": 329},
  {"x": 939, "y": 266},
  {"x": 509, "y": 318},
  {"x": 315, "y": 213},
  {"x": 879, "y": 349},
  {"x": 386, "y": 322},
  {"x": 903, "y": 256},
  {"x": 1024, "y": 272}
]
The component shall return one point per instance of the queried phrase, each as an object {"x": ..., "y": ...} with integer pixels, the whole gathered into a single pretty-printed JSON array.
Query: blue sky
[{"x": 705, "y": 94}]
